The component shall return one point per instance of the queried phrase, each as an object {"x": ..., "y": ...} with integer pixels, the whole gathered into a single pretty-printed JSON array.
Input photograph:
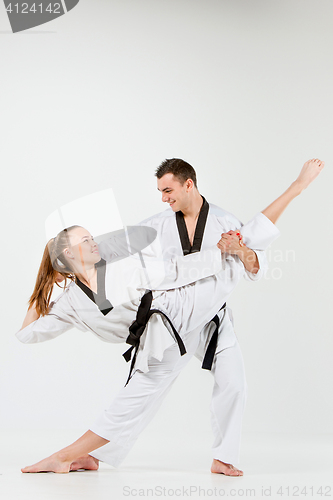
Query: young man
[{"x": 192, "y": 225}]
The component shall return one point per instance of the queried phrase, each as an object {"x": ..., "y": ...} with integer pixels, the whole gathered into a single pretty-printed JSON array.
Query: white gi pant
[
  {"x": 230, "y": 389},
  {"x": 136, "y": 404}
]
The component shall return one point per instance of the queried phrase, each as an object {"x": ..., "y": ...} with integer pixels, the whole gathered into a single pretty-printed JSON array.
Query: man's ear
[{"x": 189, "y": 184}]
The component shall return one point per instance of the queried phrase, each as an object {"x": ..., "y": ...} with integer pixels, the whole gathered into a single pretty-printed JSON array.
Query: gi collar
[{"x": 199, "y": 230}]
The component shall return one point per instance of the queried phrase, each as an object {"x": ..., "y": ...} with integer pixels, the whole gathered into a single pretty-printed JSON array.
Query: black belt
[
  {"x": 211, "y": 348},
  {"x": 138, "y": 326}
]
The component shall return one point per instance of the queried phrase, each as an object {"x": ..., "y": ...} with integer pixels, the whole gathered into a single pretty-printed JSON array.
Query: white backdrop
[{"x": 98, "y": 98}]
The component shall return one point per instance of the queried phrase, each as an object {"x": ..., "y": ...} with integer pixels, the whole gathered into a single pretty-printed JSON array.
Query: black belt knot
[{"x": 138, "y": 326}]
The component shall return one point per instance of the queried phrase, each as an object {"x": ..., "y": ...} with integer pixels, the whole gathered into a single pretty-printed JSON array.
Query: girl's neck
[{"x": 87, "y": 276}]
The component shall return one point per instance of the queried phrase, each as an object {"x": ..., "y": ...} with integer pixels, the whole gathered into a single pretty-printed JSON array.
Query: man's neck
[{"x": 191, "y": 211}]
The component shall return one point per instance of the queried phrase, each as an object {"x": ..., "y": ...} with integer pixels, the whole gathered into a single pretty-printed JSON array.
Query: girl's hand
[{"x": 231, "y": 242}]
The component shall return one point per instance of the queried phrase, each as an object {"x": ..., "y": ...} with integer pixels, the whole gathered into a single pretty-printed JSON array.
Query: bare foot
[
  {"x": 54, "y": 463},
  {"x": 310, "y": 170},
  {"x": 219, "y": 467},
  {"x": 85, "y": 462}
]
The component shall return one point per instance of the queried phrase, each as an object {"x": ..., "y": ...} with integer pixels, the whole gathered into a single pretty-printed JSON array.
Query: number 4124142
[{"x": 25, "y": 8}]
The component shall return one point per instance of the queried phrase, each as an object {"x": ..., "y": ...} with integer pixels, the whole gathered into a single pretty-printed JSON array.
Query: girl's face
[{"x": 83, "y": 251}]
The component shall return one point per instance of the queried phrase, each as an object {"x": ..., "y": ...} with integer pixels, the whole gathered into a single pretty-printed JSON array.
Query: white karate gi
[
  {"x": 158, "y": 361},
  {"x": 229, "y": 392}
]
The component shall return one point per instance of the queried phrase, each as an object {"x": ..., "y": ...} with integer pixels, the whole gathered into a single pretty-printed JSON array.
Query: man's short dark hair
[{"x": 179, "y": 168}]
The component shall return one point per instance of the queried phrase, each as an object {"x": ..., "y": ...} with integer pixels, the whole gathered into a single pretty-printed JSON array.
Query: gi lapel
[
  {"x": 186, "y": 246},
  {"x": 199, "y": 230},
  {"x": 104, "y": 305}
]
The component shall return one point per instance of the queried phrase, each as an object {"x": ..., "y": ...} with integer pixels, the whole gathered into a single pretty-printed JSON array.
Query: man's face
[{"x": 173, "y": 192}]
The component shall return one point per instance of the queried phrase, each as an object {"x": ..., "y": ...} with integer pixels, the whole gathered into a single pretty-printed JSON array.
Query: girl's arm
[{"x": 58, "y": 320}]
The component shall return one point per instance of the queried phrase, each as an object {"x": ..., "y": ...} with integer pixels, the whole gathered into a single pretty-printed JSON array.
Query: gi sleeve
[
  {"x": 126, "y": 242},
  {"x": 57, "y": 321},
  {"x": 258, "y": 234},
  {"x": 184, "y": 270},
  {"x": 154, "y": 272}
]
